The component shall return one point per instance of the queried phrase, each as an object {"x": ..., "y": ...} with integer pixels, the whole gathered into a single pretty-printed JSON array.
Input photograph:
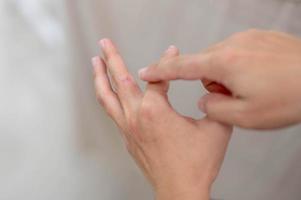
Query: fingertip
[
  {"x": 95, "y": 60},
  {"x": 171, "y": 51},
  {"x": 103, "y": 42},
  {"x": 96, "y": 63},
  {"x": 108, "y": 47},
  {"x": 142, "y": 73},
  {"x": 201, "y": 105}
]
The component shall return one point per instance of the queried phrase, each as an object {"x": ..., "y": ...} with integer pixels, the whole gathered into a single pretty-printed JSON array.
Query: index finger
[{"x": 187, "y": 67}]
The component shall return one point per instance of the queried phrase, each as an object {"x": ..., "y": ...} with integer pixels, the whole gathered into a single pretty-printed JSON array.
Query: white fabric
[{"x": 56, "y": 143}]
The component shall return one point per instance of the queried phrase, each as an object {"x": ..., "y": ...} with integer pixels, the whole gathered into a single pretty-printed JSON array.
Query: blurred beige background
[{"x": 55, "y": 141}]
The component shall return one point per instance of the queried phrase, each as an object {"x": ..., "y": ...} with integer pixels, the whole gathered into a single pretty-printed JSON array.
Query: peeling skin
[{"x": 126, "y": 80}]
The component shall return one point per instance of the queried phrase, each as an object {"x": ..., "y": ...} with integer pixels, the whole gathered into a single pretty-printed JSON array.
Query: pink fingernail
[
  {"x": 142, "y": 72},
  {"x": 103, "y": 42},
  {"x": 95, "y": 60},
  {"x": 171, "y": 48}
]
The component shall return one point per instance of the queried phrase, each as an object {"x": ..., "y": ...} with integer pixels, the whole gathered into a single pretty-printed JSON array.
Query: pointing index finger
[{"x": 187, "y": 67}]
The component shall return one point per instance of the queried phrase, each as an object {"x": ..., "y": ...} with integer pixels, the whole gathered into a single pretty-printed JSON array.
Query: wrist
[
  {"x": 187, "y": 196},
  {"x": 184, "y": 193}
]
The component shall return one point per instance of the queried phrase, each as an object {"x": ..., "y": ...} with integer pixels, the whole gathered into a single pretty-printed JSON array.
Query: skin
[
  {"x": 180, "y": 156},
  {"x": 253, "y": 77}
]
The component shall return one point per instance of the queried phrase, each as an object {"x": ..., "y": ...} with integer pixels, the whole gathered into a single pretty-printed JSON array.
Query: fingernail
[
  {"x": 95, "y": 60},
  {"x": 103, "y": 42},
  {"x": 171, "y": 48},
  {"x": 202, "y": 105},
  {"x": 142, "y": 72}
]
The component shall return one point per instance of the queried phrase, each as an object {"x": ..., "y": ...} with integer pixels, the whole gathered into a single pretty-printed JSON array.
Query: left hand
[{"x": 180, "y": 156}]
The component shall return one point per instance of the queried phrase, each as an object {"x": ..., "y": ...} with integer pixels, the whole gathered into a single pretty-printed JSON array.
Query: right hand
[{"x": 261, "y": 70}]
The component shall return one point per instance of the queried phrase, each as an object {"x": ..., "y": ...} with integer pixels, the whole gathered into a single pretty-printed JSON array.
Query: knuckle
[
  {"x": 122, "y": 79},
  {"x": 102, "y": 96},
  {"x": 147, "y": 110},
  {"x": 132, "y": 123},
  {"x": 164, "y": 63},
  {"x": 125, "y": 83},
  {"x": 246, "y": 35},
  {"x": 100, "y": 99},
  {"x": 126, "y": 79},
  {"x": 112, "y": 55},
  {"x": 252, "y": 31},
  {"x": 229, "y": 56},
  {"x": 244, "y": 117}
]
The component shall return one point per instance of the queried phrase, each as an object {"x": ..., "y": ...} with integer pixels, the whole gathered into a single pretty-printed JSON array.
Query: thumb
[
  {"x": 159, "y": 88},
  {"x": 223, "y": 108}
]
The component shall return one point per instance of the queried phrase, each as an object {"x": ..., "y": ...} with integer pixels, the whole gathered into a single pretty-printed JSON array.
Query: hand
[
  {"x": 181, "y": 157},
  {"x": 261, "y": 70}
]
